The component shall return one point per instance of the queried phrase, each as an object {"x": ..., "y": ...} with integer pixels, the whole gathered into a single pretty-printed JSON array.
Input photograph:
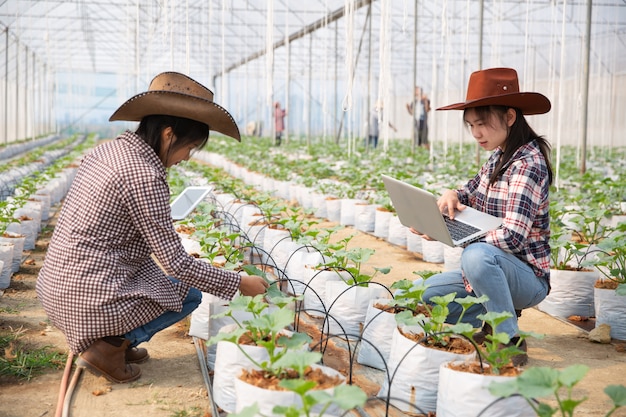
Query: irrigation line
[
  {"x": 63, "y": 387},
  {"x": 70, "y": 391},
  {"x": 205, "y": 373}
]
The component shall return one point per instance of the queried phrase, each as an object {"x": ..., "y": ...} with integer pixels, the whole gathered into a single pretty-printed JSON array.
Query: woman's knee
[
  {"x": 476, "y": 257},
  {"x": 194, "y": 297}
]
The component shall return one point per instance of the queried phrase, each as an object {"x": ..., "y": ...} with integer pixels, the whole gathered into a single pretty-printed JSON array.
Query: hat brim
[
  {"x": 528, "y": 103},
  {"x": 180, "y": 105}
]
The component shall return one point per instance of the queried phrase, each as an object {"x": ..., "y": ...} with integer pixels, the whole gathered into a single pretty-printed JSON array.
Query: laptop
[
  {"x": 187, "y": 200},
  {"x": 418, "y": 209}
]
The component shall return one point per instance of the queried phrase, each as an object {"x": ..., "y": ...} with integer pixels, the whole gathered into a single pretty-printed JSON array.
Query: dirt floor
[{"x": 172, "y": 383}]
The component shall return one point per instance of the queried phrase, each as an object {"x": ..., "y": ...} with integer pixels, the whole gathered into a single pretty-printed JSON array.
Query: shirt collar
[{"x": 135, "y": 141}]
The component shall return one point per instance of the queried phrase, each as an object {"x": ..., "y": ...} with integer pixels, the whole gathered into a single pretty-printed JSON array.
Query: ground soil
[{"x": 172, "y": 383}]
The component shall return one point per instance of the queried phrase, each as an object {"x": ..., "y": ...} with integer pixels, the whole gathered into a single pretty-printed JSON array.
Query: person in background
[
  {"x": 510, "y": 265},
  {"x": 418, "y": 109},
  {"x": 376, "y": 114},
  {"x": 279, "y": 122},
  {"x": 99, "y": 283}
]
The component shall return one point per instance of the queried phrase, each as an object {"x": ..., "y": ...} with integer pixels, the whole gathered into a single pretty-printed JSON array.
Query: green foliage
[
  {"x": 346, "y": 397},
  {"x": 543, "y": 382},
  {"x": 266, "y": 328},
  {"x": 496, "y": 353},
  {"x": 22, "y": 361},
  {"x": 610, "y": 260},
  {"x": 339, "y": 258},
  {"x": 433, "y": 322},
  {"x": 565, "y": 254}
]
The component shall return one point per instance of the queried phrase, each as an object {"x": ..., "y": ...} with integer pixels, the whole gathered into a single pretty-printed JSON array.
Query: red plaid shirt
[
  {"x": 99, "y": 278},
  {"x": 520, "y": 197}
]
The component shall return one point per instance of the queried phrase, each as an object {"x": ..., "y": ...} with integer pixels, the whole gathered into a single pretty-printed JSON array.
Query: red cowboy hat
[
  {"x": 499, "y": 86},
  {"x": 175, "y": 94}
]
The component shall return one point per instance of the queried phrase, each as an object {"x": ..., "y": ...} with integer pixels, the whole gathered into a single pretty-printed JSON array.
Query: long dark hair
[
  {"x": 186, "y": 131},
  {"x": 520, "y": 134}
]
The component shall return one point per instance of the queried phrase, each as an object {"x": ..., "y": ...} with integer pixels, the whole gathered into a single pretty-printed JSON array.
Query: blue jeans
[
  {"x": 144, "y": 333},
  {"x": 509, "y": 283}
]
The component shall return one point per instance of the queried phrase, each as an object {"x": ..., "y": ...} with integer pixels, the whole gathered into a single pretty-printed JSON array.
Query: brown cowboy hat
[
  {"x": 175, "y": 94},
  {"x": 499, "y": 86}
]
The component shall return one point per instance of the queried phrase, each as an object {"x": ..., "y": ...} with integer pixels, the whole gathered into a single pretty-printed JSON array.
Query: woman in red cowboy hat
[
  {"x": 510, "y": 265},
  {"x": 99, "y": 283}
]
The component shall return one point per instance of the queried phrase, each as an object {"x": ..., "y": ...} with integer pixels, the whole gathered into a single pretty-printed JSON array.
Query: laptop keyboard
[{"x": 459, "y": 230}]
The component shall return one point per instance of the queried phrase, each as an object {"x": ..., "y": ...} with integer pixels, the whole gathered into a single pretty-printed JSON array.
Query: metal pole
[
  {"x": 6, "y": 87},
  {"x": 26, "y": 101},
  {"x": 480, "y": 57},
  {"x": 310, "y": 99},
  {"x": 369, "y": 82},
  {"x": 414, "y": 130},
  {"x": 17, "y": 87},
  {"x": 336, "y": 106},
  {"x": 585, "y": 92},
  {"x": 287, "y": 79},
  {"x": 318, "y": 24}
]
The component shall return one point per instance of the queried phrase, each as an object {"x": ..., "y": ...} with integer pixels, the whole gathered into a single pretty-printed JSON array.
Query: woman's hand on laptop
[
  {"x": 423, "y": 236},
  {"x": 449, "y": 202}
]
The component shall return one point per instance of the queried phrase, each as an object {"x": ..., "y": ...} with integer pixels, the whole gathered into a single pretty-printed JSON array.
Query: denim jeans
[
  {"x": 144, "y": 333},
  {"x": 509, "y": 283}
]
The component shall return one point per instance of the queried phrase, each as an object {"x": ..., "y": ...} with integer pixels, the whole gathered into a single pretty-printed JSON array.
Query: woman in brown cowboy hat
[
  {"x": 510, "y": 265},
  {"x": 99, "y": 283}
]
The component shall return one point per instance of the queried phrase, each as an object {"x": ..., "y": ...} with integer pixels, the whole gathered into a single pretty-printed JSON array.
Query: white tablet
[{"x": 186, "y": 201}]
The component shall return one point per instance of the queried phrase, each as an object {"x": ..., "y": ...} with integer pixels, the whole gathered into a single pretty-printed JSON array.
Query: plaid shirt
[
  {"x": 520, "y": 197},
  {"x": 99, "y": 278}
]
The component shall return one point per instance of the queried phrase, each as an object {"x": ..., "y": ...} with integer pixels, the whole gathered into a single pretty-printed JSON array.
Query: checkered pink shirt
[
  {"x": 520, "y": 197},
  {"x": 98, "y": 278}
]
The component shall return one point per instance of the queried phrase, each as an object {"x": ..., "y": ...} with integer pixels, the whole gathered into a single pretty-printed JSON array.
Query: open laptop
[
  {"x": 418, "y": 209},
  {"x": 187, "y": 200}
]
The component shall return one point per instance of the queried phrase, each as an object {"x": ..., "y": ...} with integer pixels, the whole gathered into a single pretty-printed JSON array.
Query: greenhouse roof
[
  {"x": 115, "y": 47},
  {"x": 130, "y": 37}
]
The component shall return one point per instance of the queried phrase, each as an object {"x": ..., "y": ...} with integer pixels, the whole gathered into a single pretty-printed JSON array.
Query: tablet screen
[{"x": 188, "y": 200}]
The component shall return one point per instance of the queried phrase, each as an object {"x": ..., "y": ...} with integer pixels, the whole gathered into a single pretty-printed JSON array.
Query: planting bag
[
  {"x": 315, "y": 294},
  {"x": 467, "y": 394},
  {"x": 347, "y": 306},
  {"x": 571, "y": 294},
  {"x": 611, "y": 310},
  {"x": 415, "y": 377},
  {"x": 376, "y": 337}
]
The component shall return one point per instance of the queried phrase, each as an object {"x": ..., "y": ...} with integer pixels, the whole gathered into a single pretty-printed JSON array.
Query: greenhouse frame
[
  {"x": 195, "y": 204},
  {"x": 68, "y": 64}
]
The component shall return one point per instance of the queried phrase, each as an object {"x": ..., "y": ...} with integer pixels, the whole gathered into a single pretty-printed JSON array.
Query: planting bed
[{"x": 172, "y": 382}]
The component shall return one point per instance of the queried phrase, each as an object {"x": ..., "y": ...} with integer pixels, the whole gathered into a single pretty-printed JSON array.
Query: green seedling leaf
[
  {"x": 232, "y": 337},
  {"x": 299, "y": 386},
  {"x": 295, "y": 341},
  {"x": 250, "y": 411},
  {"x": 297, "y": 360},
  {"x": 572, "y": 375},
  {"x": 617, "y": 393}
]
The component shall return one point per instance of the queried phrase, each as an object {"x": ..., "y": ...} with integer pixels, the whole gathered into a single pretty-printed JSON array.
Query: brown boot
[
  {"x": 107, "y": 357},
  {"x": 136, "y": 355}
]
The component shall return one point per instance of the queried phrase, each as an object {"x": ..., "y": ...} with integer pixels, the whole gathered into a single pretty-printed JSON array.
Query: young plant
[
  {"x": 434, "y": 322},
  {"x": 543, "y": 382},
  {"x": 313, "y": 402},
  {"x": 340, "y": 258},
  {"x": 299, "y": 225},
  {"x": 566, "y": 254},
  {"x": 499, "y": 351},
  {"x": 266, "y": 328},
  {"x": 610, "y": 259},
  {"x": 220, "y": 241}
]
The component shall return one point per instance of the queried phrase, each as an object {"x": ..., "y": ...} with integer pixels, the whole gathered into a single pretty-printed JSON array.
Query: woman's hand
[
  {"x": 423, "y": 236},
  {"x": 253, "y": 285},
  {"x": 449, "y": 202}
]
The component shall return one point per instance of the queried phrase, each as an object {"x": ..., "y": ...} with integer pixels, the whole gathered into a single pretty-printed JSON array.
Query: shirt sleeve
[
  {"x": 524, "y": 195},
  {"x": 148, "y": 204}
]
